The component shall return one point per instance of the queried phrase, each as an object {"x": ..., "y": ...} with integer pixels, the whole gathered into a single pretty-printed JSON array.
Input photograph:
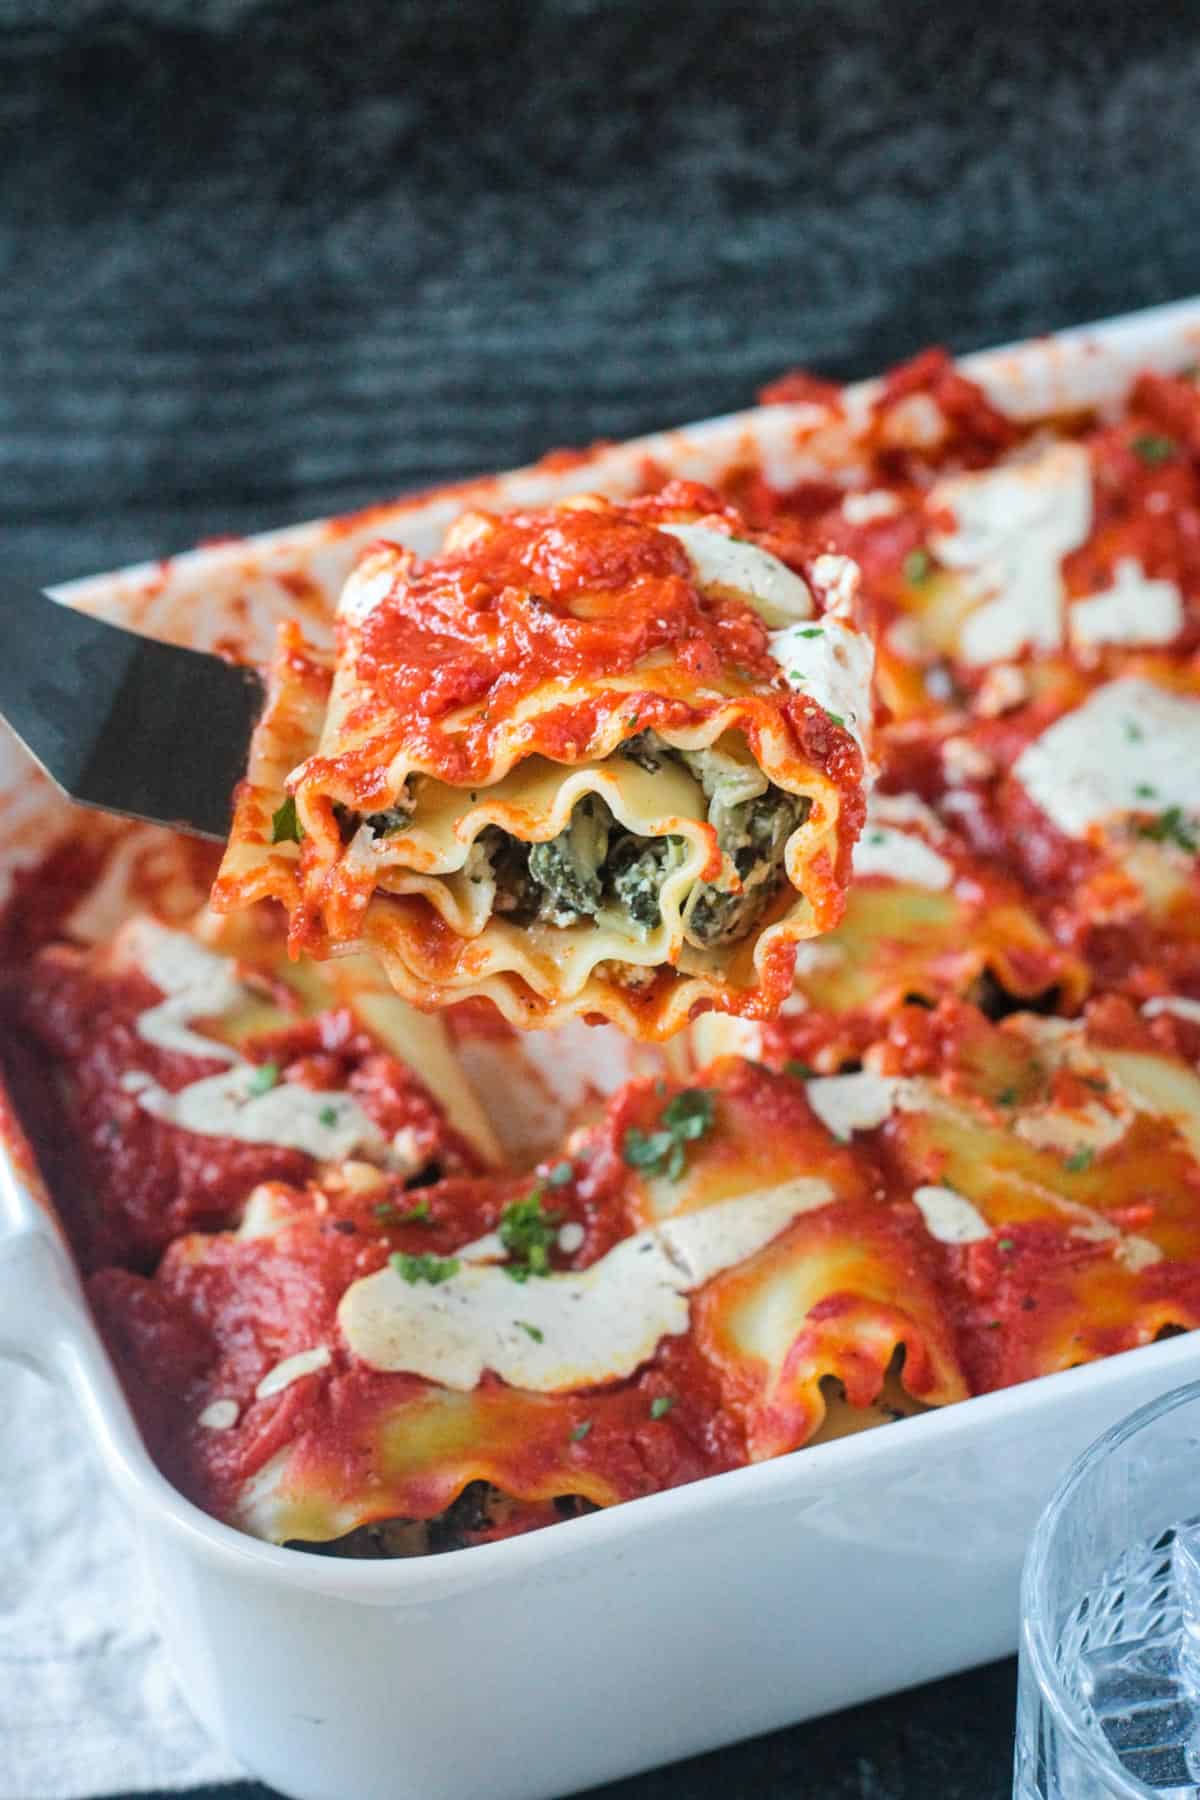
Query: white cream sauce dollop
[
  {"x": 196, "y": 983},
  {"x": 563, "y": 1331}
]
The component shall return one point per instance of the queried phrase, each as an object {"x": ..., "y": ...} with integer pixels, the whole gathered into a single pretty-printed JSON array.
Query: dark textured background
[{"x": 260, "y": 259}]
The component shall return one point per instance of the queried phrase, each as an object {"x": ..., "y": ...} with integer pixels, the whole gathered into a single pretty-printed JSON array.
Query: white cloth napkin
[{"x": 88, "y": 1705}]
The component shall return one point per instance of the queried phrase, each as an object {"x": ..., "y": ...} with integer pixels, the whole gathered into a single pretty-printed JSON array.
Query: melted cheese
[
  {"x": 1013, "y": 526},
  {"x": 1004, "y": 687},
  {"x": 891, "y": 848},
  {"x": 1179, "y": 1004},
  {"x": 915, "y": 422},
  {"x": 268, "y": 1208},
  {"x": 963, "y": 762},
  {"x": 304, "y": 1362},
  {"x": 563, "y": 1331},
  {"x": 329, "y": 1126},
  {"x": 219, "y": 1415},
  {"x": 195, "y": 983},
  {"x": 864, "y": 509},
  {"x": 832, "y": 662},
  {"x": 1131, "y": 747},
  {"x": 949, "y": 1217},
  {"x": 1129, "y": 1249},
  {"x": 860, "y": 1102},
  {"x": 1134, "y": 610},
  {"x": 729, "y": 564},
  {"x": 1137, "y": 1253},
  {"x": 1072, "y": 1130}
]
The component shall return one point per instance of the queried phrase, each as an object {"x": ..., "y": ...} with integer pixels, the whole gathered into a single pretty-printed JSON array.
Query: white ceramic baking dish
[{"x": 572, "y": 1656}]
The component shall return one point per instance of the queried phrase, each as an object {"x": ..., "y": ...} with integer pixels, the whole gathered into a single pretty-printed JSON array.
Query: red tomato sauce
[
  {"x": 220, "y": 1315},
  {"x": 575, "y": 594},
  {"x": 145, "y": 1181},
  {"x": 194, "y": 1313}
]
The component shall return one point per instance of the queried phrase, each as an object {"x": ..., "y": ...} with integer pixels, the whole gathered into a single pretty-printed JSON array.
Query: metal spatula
[{"x": 123, "y": 722}]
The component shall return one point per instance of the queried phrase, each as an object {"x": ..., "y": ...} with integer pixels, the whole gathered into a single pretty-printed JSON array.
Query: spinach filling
[
  {"x": 753, "y": 821},
  {"x": 559, "y": 882},
  {"x": 595, "y": 865},
  {"x": 638, "y": 868},
  {"x": 755, "y": 844},
  {"x": 479, "y": 1511},
  {"x": 381, "y": 824},
  {"x": 568, "y": 871}
]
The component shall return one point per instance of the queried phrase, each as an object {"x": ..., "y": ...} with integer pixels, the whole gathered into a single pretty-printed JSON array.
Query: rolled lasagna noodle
[
  {"x": 759, "y": 1271},
  {"x": 599, "y": 760}
]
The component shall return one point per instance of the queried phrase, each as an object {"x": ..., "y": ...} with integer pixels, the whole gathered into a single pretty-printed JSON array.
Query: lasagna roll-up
[{"x": 600, "y": 760}]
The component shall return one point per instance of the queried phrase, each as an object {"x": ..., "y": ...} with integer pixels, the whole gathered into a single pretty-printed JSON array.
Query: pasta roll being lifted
[{"x": 600, "y": 760}]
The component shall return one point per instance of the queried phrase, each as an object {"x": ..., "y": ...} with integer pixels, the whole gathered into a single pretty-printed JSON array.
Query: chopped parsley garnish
[
  {"x": 1153, "y": 448},
  {"x": 328, "y": 1116},
  {"x": 527, "y": 1232},
  {"x": 1172, "y": 827},
  {"x": 918, "y": 566},
  {"x": 632, "y": 720},
  {"x": 796, "y": 675},
  {"x": 690, "y": 1113},
  {"x": 560, "y": 1174},
  {"x": 1005, "y": 1244},
  {"x": 661, "y": 1405},
  {"x": 581, "y": 1430},
  {"x": 812, "y": 631},
  {"x": 1007, "y": 1097},
  {"x": 433, "y": 1269},
  {"x": 1133, "y": 731},
  {"x": 1078, "y": 1161},
  {"x": 684, "y": 1119},
  {"x": 263, "y": 1079},
  {"x": 876, "y": 837},
  {"x": 532, "y": 1331},
  {"x": 835, "y": 717},
  {"x": 646, "y": 1149},
  {"x": 1144, "y": 791},
  {"x": 285, "y": 826},
  {"x": 801, "y": 1070}
]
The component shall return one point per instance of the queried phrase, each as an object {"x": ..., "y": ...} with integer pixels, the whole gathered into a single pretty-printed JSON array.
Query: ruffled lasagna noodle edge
[{"x": 417, "y": 930}]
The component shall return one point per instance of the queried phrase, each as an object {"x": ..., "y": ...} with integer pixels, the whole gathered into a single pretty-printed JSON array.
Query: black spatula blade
[{"x": 123, "y": 722}]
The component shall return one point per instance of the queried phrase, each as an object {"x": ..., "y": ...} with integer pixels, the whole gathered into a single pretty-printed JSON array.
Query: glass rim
[{"x": 1033, "y": 1619}]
